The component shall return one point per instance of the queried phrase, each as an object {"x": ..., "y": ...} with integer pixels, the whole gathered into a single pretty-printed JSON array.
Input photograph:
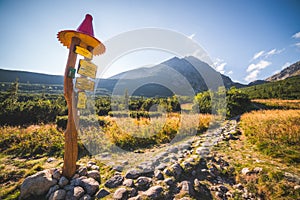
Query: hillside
[
  {"x": 292, "y": 70},
  {"x": 29, "y": 77},
  {"x": 283, "y": 89}
]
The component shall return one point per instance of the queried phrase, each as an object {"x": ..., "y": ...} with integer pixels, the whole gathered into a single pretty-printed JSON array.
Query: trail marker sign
[{"x": 87, "y": 68}]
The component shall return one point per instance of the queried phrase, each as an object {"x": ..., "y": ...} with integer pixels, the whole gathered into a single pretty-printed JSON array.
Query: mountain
[
  {"x": 176, "y": 74},
  {"x": 292, "y": 70},
  {"x": 30, "y": 77}
]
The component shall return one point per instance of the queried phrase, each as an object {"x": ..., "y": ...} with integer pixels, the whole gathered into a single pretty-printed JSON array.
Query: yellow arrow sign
[
  {"x": 84, "y": 52},
  {"x": 87, "y": 68},
  {"x": 84, "y": 84}
]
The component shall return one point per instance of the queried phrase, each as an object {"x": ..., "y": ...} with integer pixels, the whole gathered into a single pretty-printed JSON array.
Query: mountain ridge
[{"x": 292, "y": 70}]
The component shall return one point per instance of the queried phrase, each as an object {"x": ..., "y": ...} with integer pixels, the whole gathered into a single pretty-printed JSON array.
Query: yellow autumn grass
[
  {"x": 275, "y": 132},
  {"x": 279, "y": 103},
  {"x": 134, "y": 133}
]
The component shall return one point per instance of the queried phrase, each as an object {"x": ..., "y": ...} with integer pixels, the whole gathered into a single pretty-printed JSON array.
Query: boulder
[
  {"x": 143, "y": 182},
  {"x": 154, "y": 192},
  {"x": 37, "y": 184},
  {"x": 120, "y": 194},
  {"x": 94, "y": 174},
  {"x": 115, "y": 181},
  {"x": 133, "y": 174},
  {"x": 90, "y": 185},
  {"x": 63, "y": 181},
  {"x": 58, "y": 195},
  {"x": 102, "y": 193}
]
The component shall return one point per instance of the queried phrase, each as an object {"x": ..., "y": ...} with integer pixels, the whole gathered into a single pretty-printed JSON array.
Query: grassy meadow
[{"x": 270, "y": 139}]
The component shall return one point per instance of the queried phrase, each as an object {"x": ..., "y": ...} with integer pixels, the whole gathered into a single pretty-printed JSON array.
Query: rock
[
  {"x": 51, "y": 159},
  {"x": 246, "y": 171},
  {"x": 91, "y": 163},
  {"x": 154, "y": 192},
  {"x": 202, "y": 151},
  {"x": 133, "y": 174},
  {"x": 90, "y": 185},
  {"x": 82, "y": 171},
  {"x": 223, "y": 188},
  {"x": 56, "y": 174},
  {"x": 118, "y": 168},
  {"x": 95, "y": 167},
  {"x": 86, "y": 197},
  {"x": 158, "y": 175},
  {"x": 176, "y": 169},
  {"x": 185, "y": 147},
  {"x": 136, "y": 198},
  {"x": 220, "y": 194},
  {"x": 120, "y": 194},
  {"x": 186, "y": 187},
  {"x": 58, "y": 195},
  {"x": 63, "y": 181},
  {"x": 238, "y": 186},
  {"x": 51, "y": 190},
  {"x": 143, "y": 182},
  {"x": 37, "y": 184},
  {"x": 172, "y": 150},
  {"x": 257, "y": 170},
  {"x": 168, "y": 172},
  {"x": 77, "y": 181},
  {"x": 69, "y": 187},
  {"x": 94, "y": 174},
  {"x": 115, "y": 181},
  {"x": 132, "y": 192},
  {"x": 229, "y": 194},
  {"x": 128, "y": 183},
  {"x": 102, "y": 193},
  {"x": 292, "y": 177},
  {"x": 169, "y": 181},
  {"x": 161, "y": 166},
  {"x": 78, "y": 192},
  {"x": 297, "y": 187}
]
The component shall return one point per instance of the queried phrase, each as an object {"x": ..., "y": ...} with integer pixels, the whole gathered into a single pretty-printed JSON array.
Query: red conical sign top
[
  {"x": 85, "y": 33},
  {"x": 86, "y": 26}
]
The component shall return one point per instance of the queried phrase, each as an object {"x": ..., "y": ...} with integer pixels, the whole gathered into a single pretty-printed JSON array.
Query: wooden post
[{"x": 71, "y": 145}]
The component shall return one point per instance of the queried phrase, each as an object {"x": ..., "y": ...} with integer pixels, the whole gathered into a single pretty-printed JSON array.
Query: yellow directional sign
[
  {"x": 81, "y": 103},
  {"x": 84, "y": 52},
  {"x": 87, "y": 68},
  {"x": 84, "y": 84}
]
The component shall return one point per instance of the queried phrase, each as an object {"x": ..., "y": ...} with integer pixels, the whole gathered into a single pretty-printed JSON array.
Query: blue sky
[{"x": 247, "y": 39}]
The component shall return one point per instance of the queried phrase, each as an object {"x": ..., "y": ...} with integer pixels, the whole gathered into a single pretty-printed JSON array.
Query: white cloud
[
  {"x": 252, "y": 76},
  {"x": 287, "y": 64},
  {"x": 296, "y": 35},
  {"x": 264, "y": 54},
  {"x": 297, "y": 44},
  {"x": 258, "y": 54},
  {"x": 273, "y": 52},
  {"x": 230, "y": 72},
  {"x": 219, "y": 65},
  {"x": 261, "y": 65},
  {"x": 192, "y": 36}
]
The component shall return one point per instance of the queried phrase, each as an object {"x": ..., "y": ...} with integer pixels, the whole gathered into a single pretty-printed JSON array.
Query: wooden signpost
[{"x": 82, "y": 42}]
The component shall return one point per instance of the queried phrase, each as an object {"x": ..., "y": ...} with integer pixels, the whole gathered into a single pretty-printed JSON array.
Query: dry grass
[
  {"x": 131, "y": 133},
  {"x": 275, "y": 132},
  {"x": 278, "y": 103}
]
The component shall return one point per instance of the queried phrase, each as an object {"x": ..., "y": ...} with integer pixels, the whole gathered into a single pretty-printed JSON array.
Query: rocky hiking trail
[{"x": 194, "y": 169}]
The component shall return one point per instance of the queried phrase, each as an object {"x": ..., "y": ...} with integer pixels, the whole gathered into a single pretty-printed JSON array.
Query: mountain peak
[{"x": 292, "y": 70}]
